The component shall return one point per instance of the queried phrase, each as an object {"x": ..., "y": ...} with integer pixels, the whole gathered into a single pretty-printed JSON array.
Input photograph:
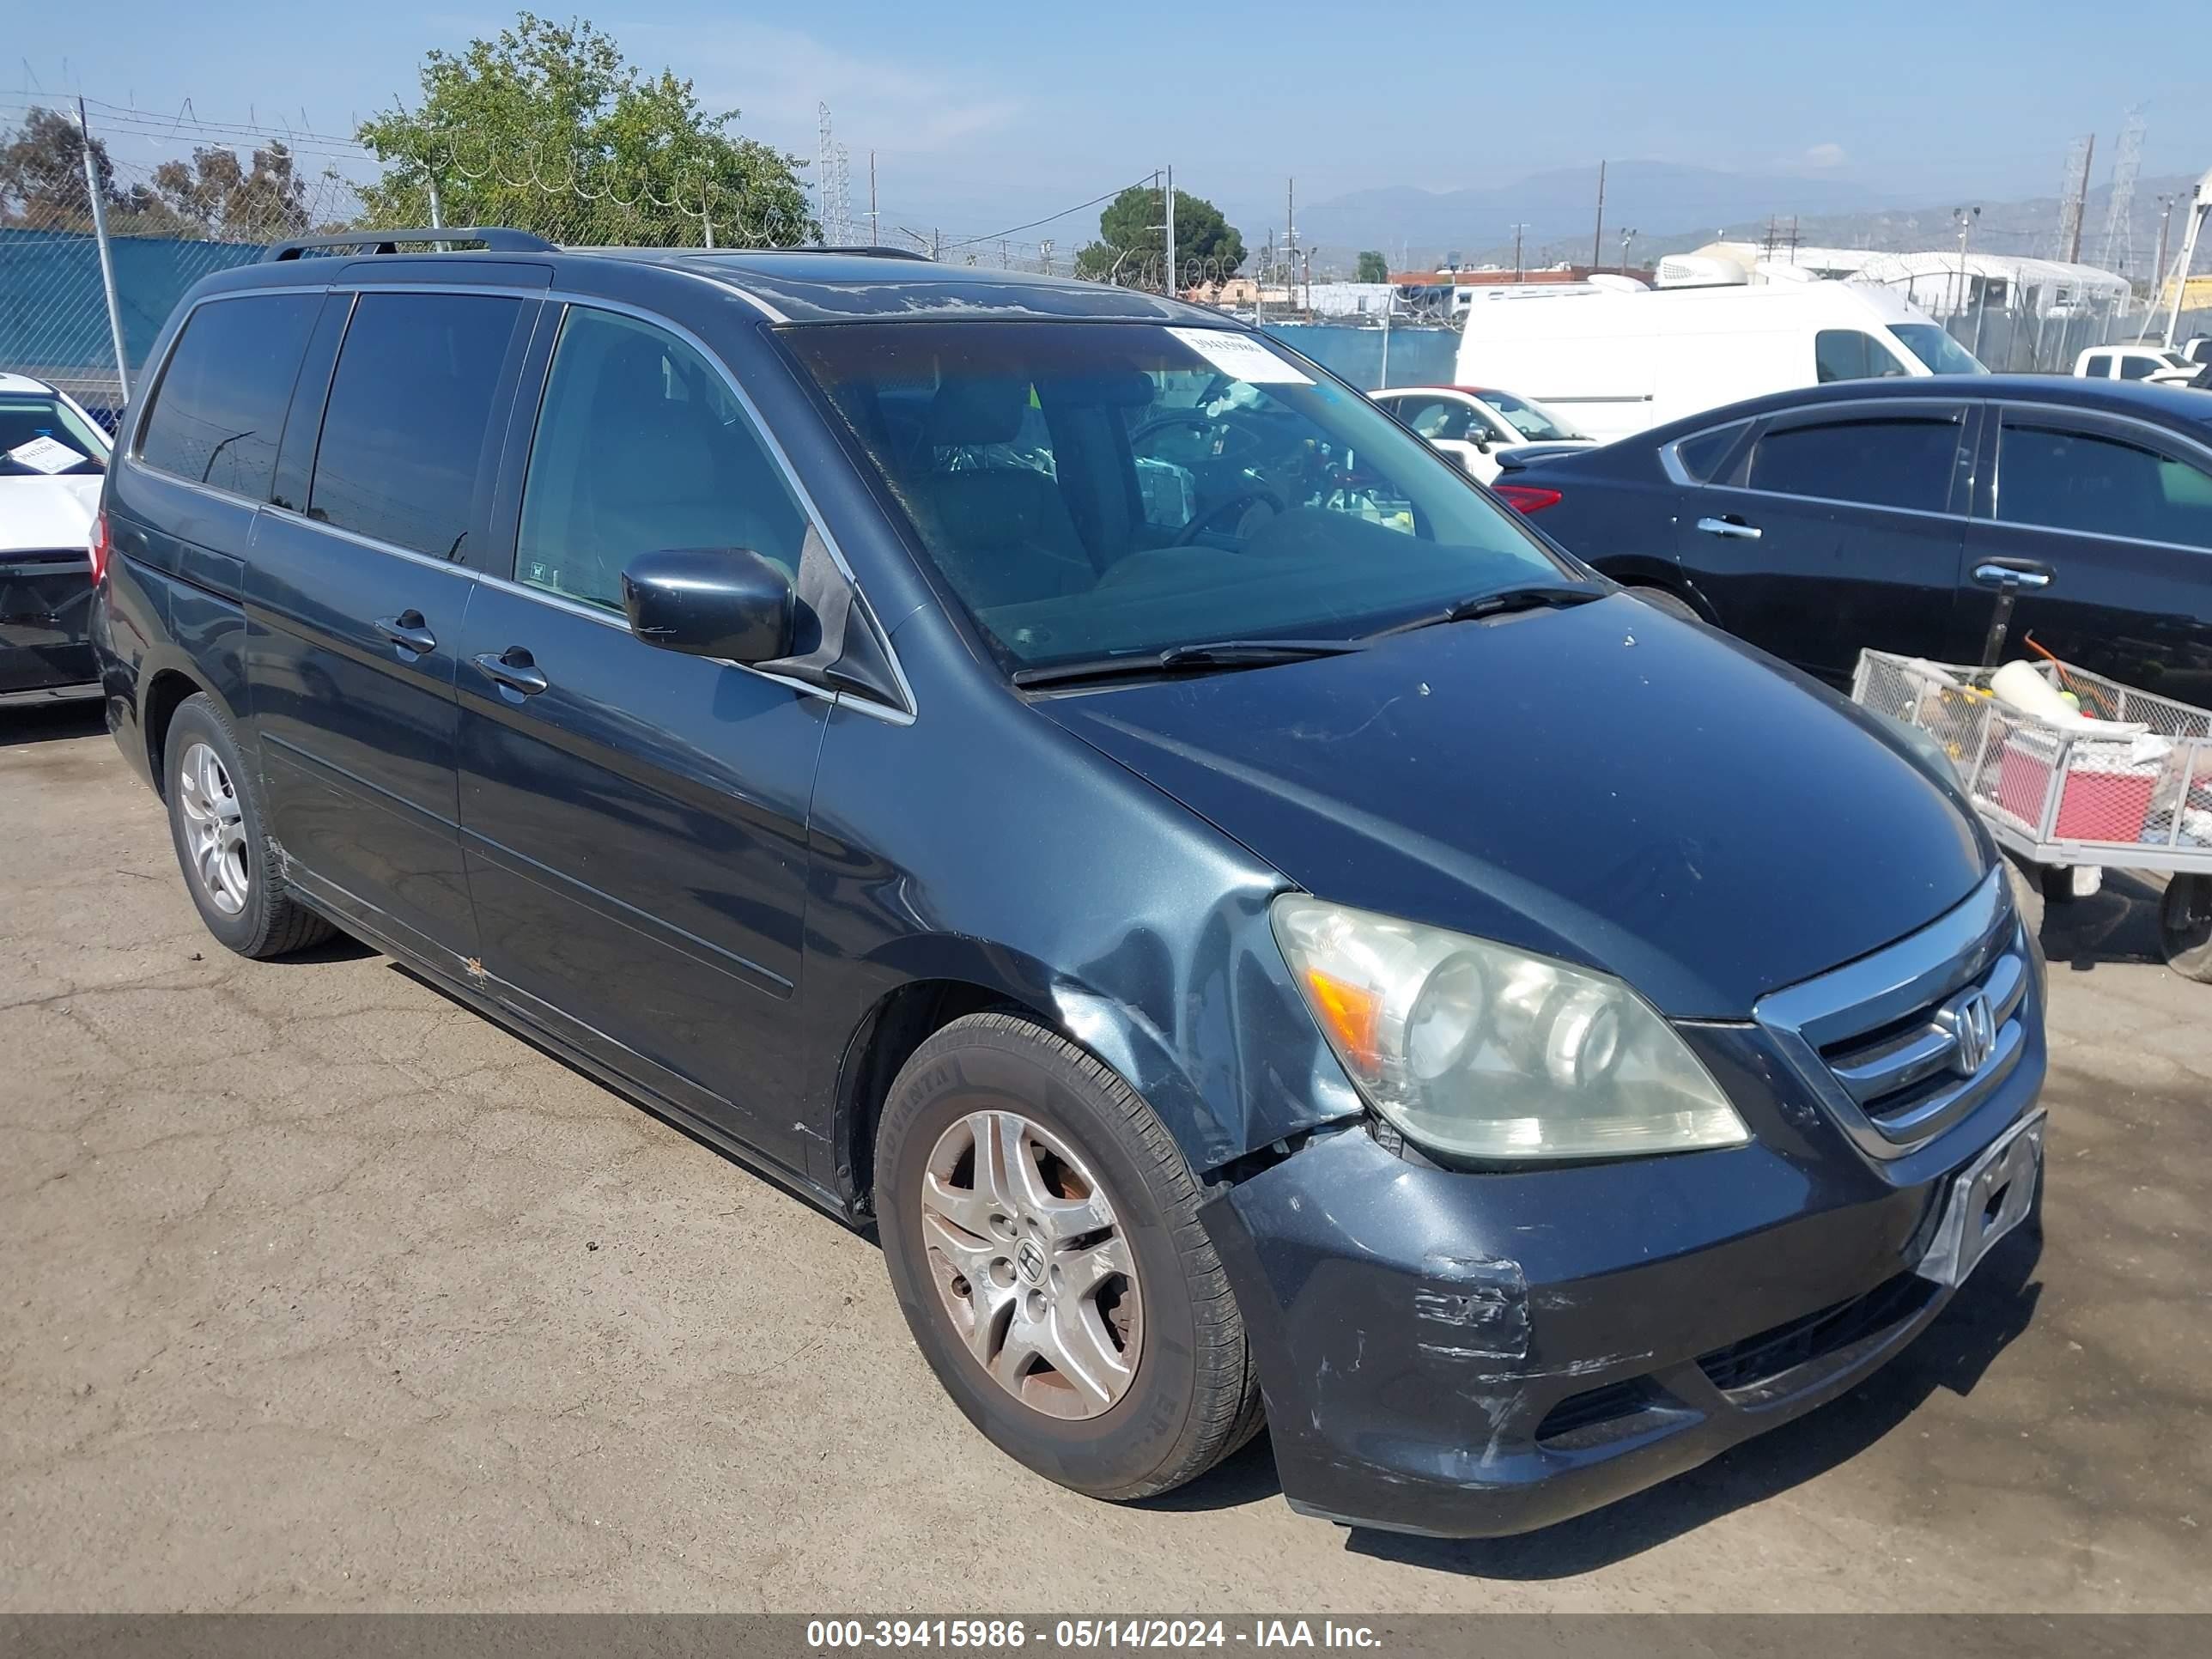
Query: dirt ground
[{"x": 319, "y": 1291}]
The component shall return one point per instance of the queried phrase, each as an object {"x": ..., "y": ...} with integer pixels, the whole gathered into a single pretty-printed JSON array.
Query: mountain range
[{"x": 1674, "y": 208}]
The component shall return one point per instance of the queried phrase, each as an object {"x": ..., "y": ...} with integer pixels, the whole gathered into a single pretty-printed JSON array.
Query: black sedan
[{"x": 1903, "y": 514}]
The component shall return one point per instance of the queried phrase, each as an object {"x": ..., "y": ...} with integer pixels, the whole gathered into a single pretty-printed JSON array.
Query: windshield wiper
[
  {"x": 1211, "y": 654},
  {"x": 1530, "y": 595}
]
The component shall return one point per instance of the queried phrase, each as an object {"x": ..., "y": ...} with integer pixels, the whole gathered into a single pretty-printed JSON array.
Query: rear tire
[
  {"x": 230, "y": 865},
  {"x": 1672, "y": 604},
  {"x": 2184, "y": 926},
  {"x": 1083, "y": 1162}
]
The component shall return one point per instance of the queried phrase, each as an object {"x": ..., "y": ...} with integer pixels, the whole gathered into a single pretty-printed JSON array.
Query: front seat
[{"x": 1002, "y": 533}]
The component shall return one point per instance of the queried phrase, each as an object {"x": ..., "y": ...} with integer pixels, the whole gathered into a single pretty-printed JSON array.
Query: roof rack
[{"x": 493, "y": 238}]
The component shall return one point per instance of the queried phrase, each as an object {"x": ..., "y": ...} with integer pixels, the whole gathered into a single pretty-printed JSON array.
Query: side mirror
[{"x": 725, "y": 602}]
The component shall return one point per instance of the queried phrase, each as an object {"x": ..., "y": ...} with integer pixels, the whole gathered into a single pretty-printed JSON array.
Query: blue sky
[{"x": 998, "y": 112}]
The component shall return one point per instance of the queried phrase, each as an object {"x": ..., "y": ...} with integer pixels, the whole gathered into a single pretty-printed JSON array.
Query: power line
[{"x": 994, "y": 236}]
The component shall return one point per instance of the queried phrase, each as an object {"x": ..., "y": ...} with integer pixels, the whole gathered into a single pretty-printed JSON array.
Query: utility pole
[
  {"x": 2080, "y": 202},
  {"x": 875, "y": 236},
  {"x": 1597, "y": 236},
  {"x": 1290, "y": 232},
  {"x": 2158, "y": 271},
  {"x": 1172, "y": 286},
  {"x": 1964, "y": 220},
  {"x": 1517, "y": 229},
  {"x": 107, "y": 255}
]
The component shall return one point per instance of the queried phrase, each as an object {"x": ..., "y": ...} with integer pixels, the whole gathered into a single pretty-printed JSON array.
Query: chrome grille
[{"x": 1902, "y": 1044}]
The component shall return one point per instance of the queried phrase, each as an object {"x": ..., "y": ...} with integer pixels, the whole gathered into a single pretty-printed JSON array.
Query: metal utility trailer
[{"x": 2136, "y": 795}]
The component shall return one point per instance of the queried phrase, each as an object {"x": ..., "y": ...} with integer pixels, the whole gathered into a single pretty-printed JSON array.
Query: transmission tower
[
  {"x": 831, "y": 204},
  {"x": 2072, "y": 188},
  {"x": 2119, "y": 217}
]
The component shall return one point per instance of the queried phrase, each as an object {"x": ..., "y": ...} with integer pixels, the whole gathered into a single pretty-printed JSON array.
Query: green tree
[
  {"x": 1131, "y": 248},
  {"x": 1373, "y": 267},
  {"x": 42, "y": 174},
  {"x": 216, "y": 195},
  {"x": 548, "y": 128}
]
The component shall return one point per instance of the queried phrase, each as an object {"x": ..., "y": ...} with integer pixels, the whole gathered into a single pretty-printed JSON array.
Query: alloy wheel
[
  {"x": 1032, "y": 1264},
  {"x": 215, "y": 829}
]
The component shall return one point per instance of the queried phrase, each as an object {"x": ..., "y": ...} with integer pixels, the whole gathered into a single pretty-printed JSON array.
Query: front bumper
[{"x": 1471, "y": 1355}]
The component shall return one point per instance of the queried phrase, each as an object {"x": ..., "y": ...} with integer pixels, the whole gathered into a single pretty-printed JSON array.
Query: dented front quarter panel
[{"x": 1008, "y": 855}]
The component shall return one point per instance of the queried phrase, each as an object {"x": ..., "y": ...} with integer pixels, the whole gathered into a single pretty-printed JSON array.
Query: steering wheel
[
  {"x": 1231, "y": 439},
  {"x": 1189, "y": 532}
]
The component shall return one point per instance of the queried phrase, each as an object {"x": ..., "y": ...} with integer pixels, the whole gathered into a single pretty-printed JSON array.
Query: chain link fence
[{"x": 225, "y": 194}]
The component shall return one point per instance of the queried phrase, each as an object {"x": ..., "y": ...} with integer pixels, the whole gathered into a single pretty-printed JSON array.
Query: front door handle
[
  {"x": 1994, "y": 574},
  {"x": 513, "y": 668},
  {"x": 408, "y": 631},
  {"x": 1733, "y": 529}
]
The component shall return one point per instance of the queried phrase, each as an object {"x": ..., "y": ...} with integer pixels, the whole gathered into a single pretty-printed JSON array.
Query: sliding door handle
[{"x": 408, "y": 632}]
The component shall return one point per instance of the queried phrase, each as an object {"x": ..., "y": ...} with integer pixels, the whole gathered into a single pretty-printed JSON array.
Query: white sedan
[
  {"x": 52, "y": 455},
  {"x": 1474, "y": 424}
]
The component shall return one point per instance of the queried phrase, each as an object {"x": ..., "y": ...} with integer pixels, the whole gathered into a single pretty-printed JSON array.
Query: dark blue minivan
[{"x": 1037, "y": 768}]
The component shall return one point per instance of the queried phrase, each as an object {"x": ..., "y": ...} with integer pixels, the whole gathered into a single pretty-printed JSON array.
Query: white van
[{"x": 1615, "y": 361}]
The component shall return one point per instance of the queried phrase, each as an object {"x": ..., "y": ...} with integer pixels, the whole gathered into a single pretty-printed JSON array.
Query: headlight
[{"x": 1477, "y": 1050}]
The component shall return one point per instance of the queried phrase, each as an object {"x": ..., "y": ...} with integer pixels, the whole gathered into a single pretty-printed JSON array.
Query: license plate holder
[{"x": 1988, "y": 1198}]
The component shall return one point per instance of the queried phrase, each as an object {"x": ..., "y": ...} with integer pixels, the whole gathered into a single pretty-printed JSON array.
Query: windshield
[
  {"x": 1532, "y": 422},
  {"x": 1937, "y": 350},
  {"x": 42, "y": 436},
  {"x": 1093, "y": 488}
]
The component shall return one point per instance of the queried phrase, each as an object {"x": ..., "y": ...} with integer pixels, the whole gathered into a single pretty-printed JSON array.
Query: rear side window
[
  {"x": 219, "y": 411},
  {"x": 1851, "y": 353},
  {"x": 1895, "y": 461},
  {"x": 2099, "y": 367},
  {"x": 410, "y": 405},
  {"x": 1700, "y": 456},
  {"x": 2096, "y": 485},
  {"x": 641, "y": 446},
  {"x": 1437, "y": 417}
]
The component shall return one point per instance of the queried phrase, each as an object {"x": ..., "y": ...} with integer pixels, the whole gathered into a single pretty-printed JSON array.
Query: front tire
[
  {"x": 1040, "y": 1229},
  {"x": 228, "y": 860}
]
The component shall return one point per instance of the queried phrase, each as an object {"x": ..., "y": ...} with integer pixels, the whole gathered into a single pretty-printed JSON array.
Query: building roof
[{"x": 1871, "y": 265}]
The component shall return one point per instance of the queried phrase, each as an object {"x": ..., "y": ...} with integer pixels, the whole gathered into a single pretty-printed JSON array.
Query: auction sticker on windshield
[
  {"x": 1246, "y": 356},
  {"x": 44, "y": 454}
]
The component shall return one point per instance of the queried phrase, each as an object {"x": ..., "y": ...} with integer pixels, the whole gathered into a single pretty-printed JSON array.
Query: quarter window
[
  {"x": 2062, "y": 479},
  {"x": 1895, "y": 461},
  {"x": 641, "y": 446},
  {"x": 410, "y": 405},
  {"x": 1851, "y": 353},
  {"x": 1700, "y": 456},
  {"x": 219, "y": 411}
]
